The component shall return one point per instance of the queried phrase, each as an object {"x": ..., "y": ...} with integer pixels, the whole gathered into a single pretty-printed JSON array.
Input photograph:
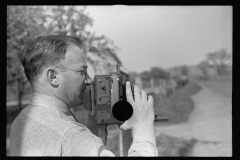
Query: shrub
[{"x": 178, "y": 106}]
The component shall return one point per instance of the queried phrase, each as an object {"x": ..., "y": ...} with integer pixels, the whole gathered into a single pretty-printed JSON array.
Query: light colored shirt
[{"x": 47, "y": 127}]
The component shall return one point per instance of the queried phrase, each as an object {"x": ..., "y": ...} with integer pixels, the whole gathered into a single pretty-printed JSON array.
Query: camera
[{"x": 107, "y": 101}]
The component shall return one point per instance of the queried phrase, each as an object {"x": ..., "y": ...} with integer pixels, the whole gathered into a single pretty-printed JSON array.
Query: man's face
[{"x": 73, "y": 78}]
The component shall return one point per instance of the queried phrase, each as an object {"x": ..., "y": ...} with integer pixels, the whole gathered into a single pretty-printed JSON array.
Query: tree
[
  {"x": 24, "y": 22},
  {"x": 155, "y": 73},
  {"x": 145, "y": 77},
  {"x": 71, "y": 20},
  {"x": 132, "y": 76},
  {"x": 158, "y": 73},
  {"x": 184, "y": 70},
  {"x": 219, "y": 60},
  {"x": 203, "y": 67}
]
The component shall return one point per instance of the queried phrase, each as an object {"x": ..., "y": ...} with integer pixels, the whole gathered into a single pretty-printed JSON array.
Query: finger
[
  {"x": 136, "y": 93},
  {"x": 150, "y": 99},
  {"x": 129, "y": 92},
  {"x": 144, "y": 96}
]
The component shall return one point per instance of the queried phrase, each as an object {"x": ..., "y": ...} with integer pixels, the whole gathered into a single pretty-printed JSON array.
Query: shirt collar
[{"x": 49, "y": 101}]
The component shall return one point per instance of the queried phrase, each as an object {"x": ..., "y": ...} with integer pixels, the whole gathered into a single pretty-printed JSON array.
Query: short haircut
[{"x": 45, "y": 51}]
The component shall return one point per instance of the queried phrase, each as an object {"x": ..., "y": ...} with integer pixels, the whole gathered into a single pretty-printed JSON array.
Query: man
[{"x": 55, "y": 66}]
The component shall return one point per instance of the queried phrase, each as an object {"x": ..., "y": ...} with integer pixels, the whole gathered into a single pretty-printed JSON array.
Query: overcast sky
[{"x": 163, "y": 36}]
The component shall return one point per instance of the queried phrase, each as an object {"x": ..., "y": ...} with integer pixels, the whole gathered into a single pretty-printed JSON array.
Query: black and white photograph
[{"x": 119, "y": 80}]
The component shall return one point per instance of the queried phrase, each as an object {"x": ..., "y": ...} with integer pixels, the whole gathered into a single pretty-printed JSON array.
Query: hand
[{"x": 143, "y": 112}]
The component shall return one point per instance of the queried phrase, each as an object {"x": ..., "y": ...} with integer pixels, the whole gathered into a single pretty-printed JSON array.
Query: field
[
  {"x": 208, "y": 131},
  {"x": 223, "y": 88}
]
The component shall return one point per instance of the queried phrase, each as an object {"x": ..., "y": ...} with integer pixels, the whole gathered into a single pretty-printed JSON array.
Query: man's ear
[{"x": 52, "y": 77}]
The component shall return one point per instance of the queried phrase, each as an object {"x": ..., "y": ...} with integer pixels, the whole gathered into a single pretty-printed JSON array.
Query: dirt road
[{"x": 210, "y": 123}]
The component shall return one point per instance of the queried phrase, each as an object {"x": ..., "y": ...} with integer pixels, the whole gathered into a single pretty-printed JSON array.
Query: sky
[{"x": 163, "y": 36}]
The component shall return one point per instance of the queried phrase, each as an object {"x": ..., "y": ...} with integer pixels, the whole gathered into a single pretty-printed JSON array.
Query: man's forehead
[{"x": 75, "y": 56}]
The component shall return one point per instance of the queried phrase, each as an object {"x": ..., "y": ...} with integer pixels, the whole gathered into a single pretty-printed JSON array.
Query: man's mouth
[{"x": 82, "y": 93}]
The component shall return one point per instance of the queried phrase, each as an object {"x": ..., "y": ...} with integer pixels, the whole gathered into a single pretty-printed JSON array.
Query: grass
[{"x": 178, "y": 106}]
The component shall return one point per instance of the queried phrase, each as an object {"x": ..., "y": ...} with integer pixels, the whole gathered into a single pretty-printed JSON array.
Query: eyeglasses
[{"x": 84, "y": 71}]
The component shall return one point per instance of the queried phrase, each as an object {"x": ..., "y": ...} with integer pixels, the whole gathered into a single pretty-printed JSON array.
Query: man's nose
[{"x": 88, "y": 80}]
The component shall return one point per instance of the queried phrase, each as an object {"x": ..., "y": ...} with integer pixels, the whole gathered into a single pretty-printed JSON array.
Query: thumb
[{"x": 125, "y": 126}]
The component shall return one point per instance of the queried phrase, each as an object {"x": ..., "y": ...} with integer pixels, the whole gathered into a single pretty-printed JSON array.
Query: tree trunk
[
  {"x": 19, "y": 101},
  {"x": 20, "y": 94}
]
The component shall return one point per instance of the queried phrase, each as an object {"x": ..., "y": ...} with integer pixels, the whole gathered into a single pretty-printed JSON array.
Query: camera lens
[{"x": 122, "y": 110}]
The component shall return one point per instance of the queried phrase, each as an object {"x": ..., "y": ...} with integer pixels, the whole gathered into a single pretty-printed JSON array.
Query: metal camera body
[
  {"x": 100, "y": 97},
  {"x": 106, "y": 99}
]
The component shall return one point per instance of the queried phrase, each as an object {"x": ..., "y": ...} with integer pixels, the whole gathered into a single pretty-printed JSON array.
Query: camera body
[{"x": 106, "y": 99}]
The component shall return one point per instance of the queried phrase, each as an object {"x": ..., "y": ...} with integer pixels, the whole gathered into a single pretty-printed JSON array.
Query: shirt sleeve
[
  {"x": 144, "y": 141},
  {"x": 81, "y": 142}
]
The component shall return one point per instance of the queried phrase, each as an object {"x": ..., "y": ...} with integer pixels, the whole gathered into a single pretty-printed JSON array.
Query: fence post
[{"x": 120, "y": 143}]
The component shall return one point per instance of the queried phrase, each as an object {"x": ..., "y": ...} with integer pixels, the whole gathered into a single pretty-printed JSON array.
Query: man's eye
[{"x": 83, "y": 71}]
